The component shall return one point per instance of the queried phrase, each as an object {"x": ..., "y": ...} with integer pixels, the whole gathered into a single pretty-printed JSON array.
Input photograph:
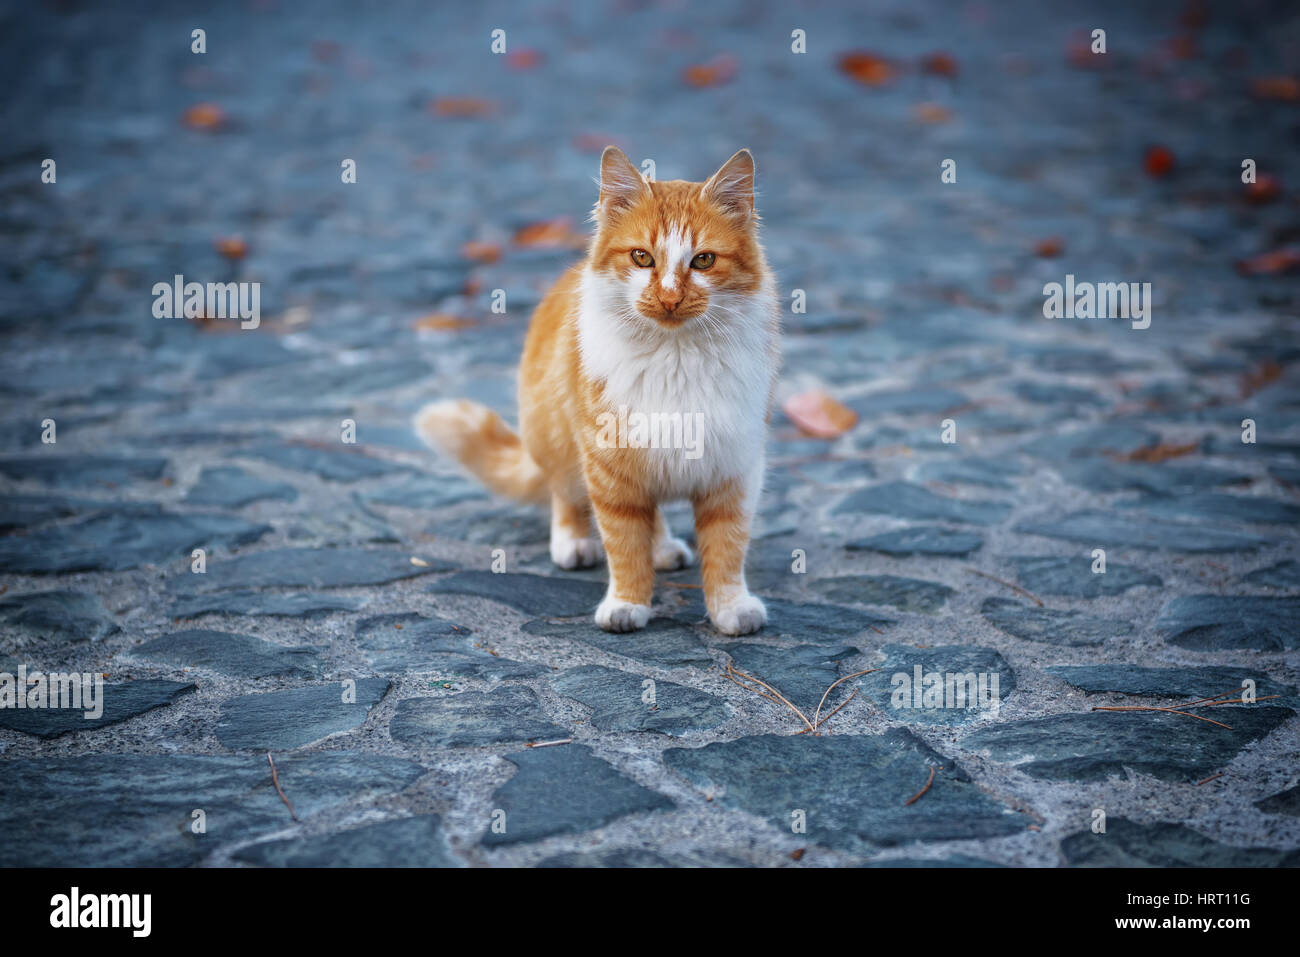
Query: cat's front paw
[
  {"x": 614, "y": 614},
  {"x": 740, "y": 616},
  {"x": 672, "y": 554}
]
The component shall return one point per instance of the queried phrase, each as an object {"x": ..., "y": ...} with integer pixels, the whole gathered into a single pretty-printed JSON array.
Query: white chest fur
[{"x": 694, "y": 398}]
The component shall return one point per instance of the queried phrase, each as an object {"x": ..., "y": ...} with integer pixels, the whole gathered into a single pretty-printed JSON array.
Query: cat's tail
[{"x": 482, "y": 442}]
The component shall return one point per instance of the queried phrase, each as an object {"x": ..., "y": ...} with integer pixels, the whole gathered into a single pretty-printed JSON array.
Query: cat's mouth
[{"x": 675, "y": 317}]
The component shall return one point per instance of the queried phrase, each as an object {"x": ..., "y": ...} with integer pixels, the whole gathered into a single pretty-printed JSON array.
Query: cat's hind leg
[
  {"x": 573, "y": 543},
  {"x": 670, "y": 553}
]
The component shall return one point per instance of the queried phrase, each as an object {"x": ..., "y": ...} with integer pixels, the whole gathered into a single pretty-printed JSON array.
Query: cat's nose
[{"x": 670, "y": 299}]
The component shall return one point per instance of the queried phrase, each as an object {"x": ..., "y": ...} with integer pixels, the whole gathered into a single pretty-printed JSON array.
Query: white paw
[
  {"x": 575, "y": 552},
  {"x": 672, "y": 553},
  {"x": 740, "y": 616},
  {"x": 614, "y": 614}
]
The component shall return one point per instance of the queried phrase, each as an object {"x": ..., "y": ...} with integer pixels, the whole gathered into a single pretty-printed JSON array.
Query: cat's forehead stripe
[{"x": 677, "y": 252}]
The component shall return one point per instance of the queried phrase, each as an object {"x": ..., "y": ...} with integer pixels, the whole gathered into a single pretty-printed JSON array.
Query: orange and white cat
[{"x": 673, "y": 313}]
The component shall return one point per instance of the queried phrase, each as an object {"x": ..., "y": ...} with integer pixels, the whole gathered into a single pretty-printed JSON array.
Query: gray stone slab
[
  {"x": 240, "y": 656},
  {"x": 424, "y": 492},
  {"x": 988, "y": 473},
  {"x": 1114, "y": 529},
  {"x": 25, "y": 511},
  {"x": 82, "y": 471},
  {"x": 1051, "y": 625},
  {"x": 920, "y": 540},
  {"x": 852, "y": 789},
  {"x": 908, "y": 594},
  {"x": 1217, "y": 506},
  {"x": 663, "y": 642},
  {"x": 1095, "y": 745},
  {"x": 1073, "y": 577},
  {"x": 1109, "y": 440},
  {"x": 1284, "y": 802},
  {"x": 123, "y": 539},
  {"x": 255, "y": 603},
  {"x": 565, "y": 790},
  {"x": 57, "y": 617},
  {"x": 121, "y": 701},
  {"x": 955, "y": 684},
  {"x": 311, "y": 568},
  {"x": 908, "y": 501},
  {"x": 1126, "y": 843},
  {"x": 136, "y": 810},
  {"x": 283, "y": 720},
  {"x": 532, "y": 594},
  {"x": 621, "y": 701},
  {"x": 1186, "y": 683},
  {"x": 402, "y": 842},
  {"x": 230, "y": 487},
  {"x": 342, "y": 464},
  {"x": 1230, "y": 622},
  {"x": 497, "y": 527},
  {"x": 1282, "y": 575},
  {"x": 1102, "y": 475},
  {"x": 508, "y": 715},
  {"x": 409, "y": 643}
]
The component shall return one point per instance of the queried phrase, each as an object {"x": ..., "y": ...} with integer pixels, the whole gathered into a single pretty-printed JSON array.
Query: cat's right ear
[{"x": 621, "y": 183}]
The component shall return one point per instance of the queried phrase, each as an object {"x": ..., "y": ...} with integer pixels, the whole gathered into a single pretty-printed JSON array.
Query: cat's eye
[
  {"x": 642, "y": 258},
  {"x": 703, "y": 261}
]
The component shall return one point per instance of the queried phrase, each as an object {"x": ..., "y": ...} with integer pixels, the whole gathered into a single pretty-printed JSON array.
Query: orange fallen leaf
[
  {"x": 1183, "y": 46},
  {"x": 523, "y": 59},
  {"x": 717, "y": 71},
  {"x": 819, "y": 415},
  {"x": 232, "y": 247},
  {"x": 1049, "y": 248},
  {"x": 1277, "y": 262},
  {"x": 1265, "y": 189},
  {"x": 1255, "y": 379},
  {"x": 1078, "y": 51},
  {"x": 1161, "y": 452},
  {"x": 1158, "y": 160},
  {"x": 461, "y": 106},
  {"x": 932, "y": 113},
  {"x": 867, "y": 68},
  {"x": 1285, "y": 88},
  {"x": 481, "y": 252},
  {"x": 204, "y": 116},
  {"x": 939, "y": 64},
  {"x": 443, "y": 322},
  {"x": 550, "y": 232}
]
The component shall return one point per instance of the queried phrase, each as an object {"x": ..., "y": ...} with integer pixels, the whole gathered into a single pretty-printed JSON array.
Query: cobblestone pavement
[{"x": 349, "y": 621}]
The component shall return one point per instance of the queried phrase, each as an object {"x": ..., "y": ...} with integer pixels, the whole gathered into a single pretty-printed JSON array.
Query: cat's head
[{"x": 670, "y": 251}]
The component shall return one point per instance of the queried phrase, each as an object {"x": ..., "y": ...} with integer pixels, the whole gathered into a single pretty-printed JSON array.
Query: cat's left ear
[
  {"x": 732, "y": 186},
  {"x": 621, "y": 183}
]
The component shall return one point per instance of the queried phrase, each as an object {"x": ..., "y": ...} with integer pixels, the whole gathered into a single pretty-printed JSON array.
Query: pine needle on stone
[
  {"x": 771, "y": 694},
  {"x": 1012, "y": 585},
  {"x": 1210, "y": 702},
  {"x": 917, "y": 796},
  {"x": 275, "y": 779}
]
